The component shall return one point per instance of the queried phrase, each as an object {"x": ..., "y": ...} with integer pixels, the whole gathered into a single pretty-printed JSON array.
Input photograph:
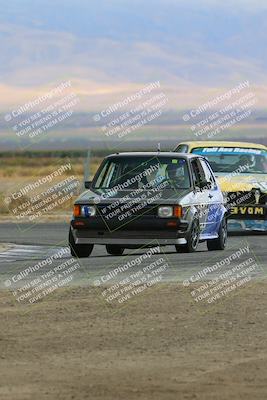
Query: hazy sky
[{"x": 109, "y": 48}]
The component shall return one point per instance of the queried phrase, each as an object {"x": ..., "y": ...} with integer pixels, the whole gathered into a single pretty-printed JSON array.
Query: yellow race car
[{"x": 241, "y": 171}]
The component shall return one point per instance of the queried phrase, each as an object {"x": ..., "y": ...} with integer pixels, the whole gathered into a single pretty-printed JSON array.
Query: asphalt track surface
[{"x": 33, "y": 244}]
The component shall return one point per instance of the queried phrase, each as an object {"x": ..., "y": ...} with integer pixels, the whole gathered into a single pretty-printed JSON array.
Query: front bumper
[
  {"x": 141, "y": 232},
  {"x": 141, "y": 242}
]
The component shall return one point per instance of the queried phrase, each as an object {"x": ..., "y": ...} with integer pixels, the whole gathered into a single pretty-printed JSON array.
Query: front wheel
[
  {"x": 114, "y": 250},
  {"x": 192, "y": 239},
  {"x": 79, "y": 250},
  {"x": 220, "y": 242}
]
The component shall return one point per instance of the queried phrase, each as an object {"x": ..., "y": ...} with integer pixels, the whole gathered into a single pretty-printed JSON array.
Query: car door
[
  {"x": 214, "y": 200},
  {"x": 201, "y": 194}
]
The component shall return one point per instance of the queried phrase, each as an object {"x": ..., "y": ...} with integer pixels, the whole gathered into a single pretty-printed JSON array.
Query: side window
[
  {"x": 182, "y": 148},
  {"x": 198, "y": 172},
  {"x": 207, "y": 171},
  {"x": 102, "y": 175},
  {"x": 108, "y": 176}
]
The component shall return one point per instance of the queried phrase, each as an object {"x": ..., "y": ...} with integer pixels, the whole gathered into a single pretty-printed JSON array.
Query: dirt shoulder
[{"x": 162, "y": 345}]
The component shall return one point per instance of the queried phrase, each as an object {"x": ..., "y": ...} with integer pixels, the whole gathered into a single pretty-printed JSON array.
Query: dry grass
[
  {"x": 16, "y": 172},
  {"x": 27, "y": 167}
]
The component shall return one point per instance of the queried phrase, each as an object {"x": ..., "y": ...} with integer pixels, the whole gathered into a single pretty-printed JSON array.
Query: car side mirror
[{"x": 88, "y": 184}]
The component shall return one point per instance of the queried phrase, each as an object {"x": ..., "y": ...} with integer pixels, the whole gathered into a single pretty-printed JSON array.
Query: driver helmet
[
  {"x": 175, "y": 171},
  {"x": 248, "y": 160}
]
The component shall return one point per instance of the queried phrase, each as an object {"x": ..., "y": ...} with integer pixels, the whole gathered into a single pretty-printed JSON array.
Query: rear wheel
[
  {"x": 220, "y": 242},
  {"x": 114, "y": 250},
  {"x": 192, "y": 239},
  {"x": 79, "y": 250}
]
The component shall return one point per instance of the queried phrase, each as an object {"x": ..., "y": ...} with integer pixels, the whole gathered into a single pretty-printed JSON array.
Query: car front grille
[{"x": 105, "y": 209}]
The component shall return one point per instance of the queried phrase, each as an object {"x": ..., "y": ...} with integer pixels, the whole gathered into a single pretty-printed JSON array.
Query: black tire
[
  {"x": 79, "y": 250},
  {"x": 114, "y": 250},
  {"x": 192, "y": 239},
  {"x": 220, "y": 243}
]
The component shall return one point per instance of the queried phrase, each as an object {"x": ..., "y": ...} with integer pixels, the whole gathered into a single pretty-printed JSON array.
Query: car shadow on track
[{"x": 247, "y": 233}]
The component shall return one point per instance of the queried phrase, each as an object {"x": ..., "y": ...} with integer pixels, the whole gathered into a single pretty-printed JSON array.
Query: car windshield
[
  {"x": 143, "y": 172},
  {"x": 235, "y": 159}
]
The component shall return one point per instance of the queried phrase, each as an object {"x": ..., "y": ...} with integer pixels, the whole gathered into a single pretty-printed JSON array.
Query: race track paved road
[{"x": 32, "y": 244}]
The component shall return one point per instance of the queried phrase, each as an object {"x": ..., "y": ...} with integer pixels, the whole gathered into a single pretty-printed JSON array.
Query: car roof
[
  {"x": 170, "y": 154},
  {"x": 209, "y": 143}
]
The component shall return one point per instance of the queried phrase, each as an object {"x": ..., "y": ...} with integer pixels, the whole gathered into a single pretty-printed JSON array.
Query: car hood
[
  {"x": 166, "y": 196},
  {"x": 242, "y": 182}
]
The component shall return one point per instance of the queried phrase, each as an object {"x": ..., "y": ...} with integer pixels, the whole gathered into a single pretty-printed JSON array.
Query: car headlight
[
  {"x": 84, "y": 211},
  {"x": 169, "y": 211},
  {"x": 165, "y": 212},
  {"x": 88, "y": 211}
]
